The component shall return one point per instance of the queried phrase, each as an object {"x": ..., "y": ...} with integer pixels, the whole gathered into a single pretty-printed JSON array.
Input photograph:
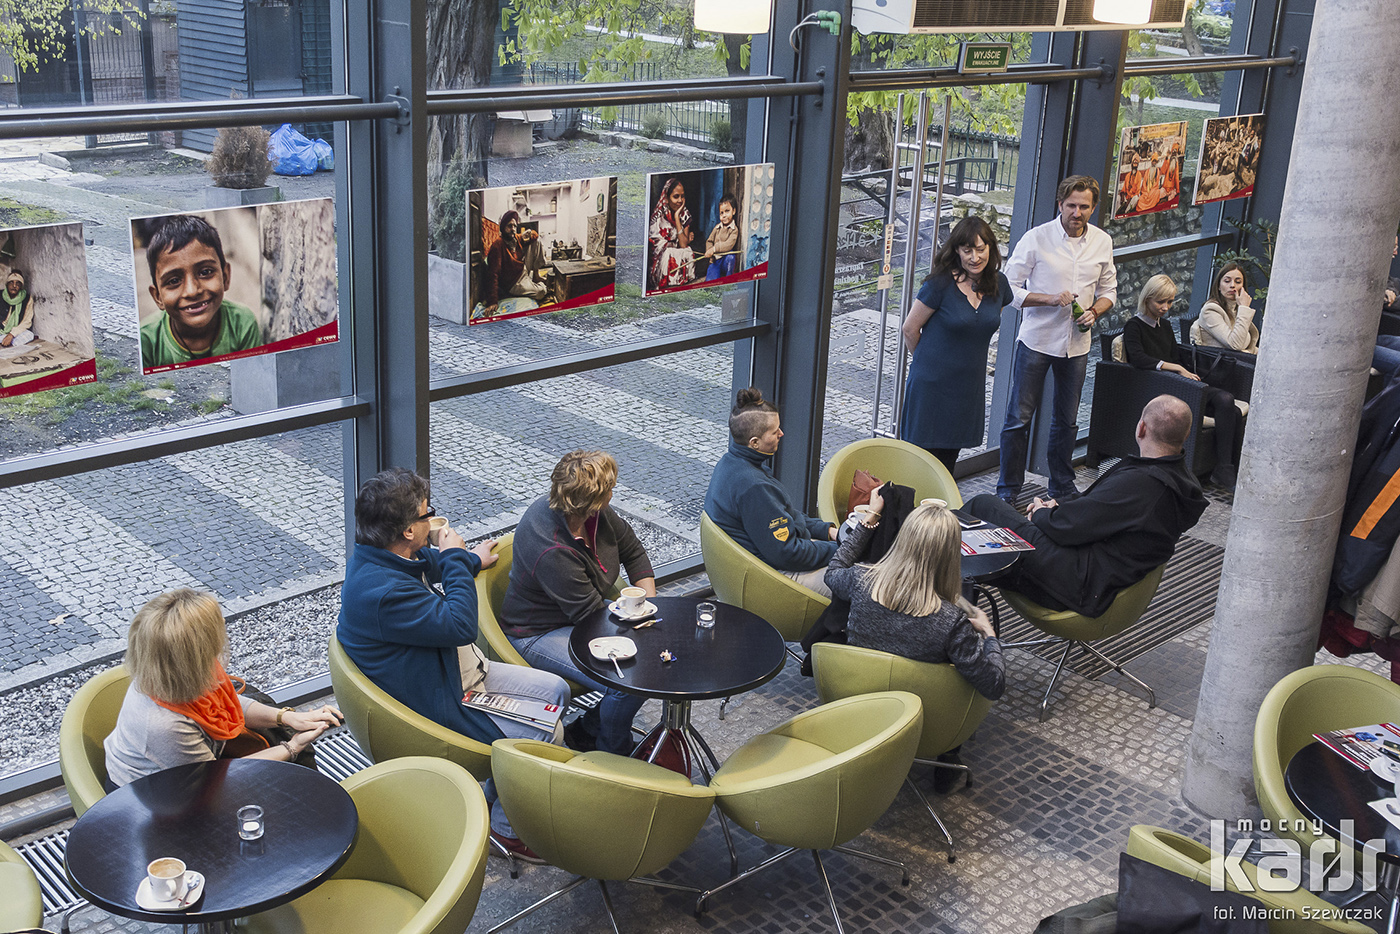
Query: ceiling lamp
[
  {"x": 745, "y": 17},
  {"x": 1125, "y": 12}
]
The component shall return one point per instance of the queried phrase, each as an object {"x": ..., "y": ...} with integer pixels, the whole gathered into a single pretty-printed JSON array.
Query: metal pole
[
  {"x": 942, "y": 164},
  {"x": 911, "y": 248},
  {"x": 885, "y": 280}
]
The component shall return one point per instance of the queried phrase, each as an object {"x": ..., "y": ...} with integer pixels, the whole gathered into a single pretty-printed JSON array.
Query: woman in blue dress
[{"x": 948, "y": 330}]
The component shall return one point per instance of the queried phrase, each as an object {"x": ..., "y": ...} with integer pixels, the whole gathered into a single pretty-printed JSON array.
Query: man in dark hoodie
[
  {"x": 1125, "y": 525},
  {"x": 753, "y": 508}
]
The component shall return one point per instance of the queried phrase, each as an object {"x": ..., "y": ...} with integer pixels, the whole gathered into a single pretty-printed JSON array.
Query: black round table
[
  {"x": 740, "y": 653},
  {"x": 1328, "y": 789},
  {"x": 190, "y": 812}
]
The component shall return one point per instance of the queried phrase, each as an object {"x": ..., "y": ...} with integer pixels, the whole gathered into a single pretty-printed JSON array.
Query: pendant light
[
  {"x": 745, "y": 17},
  {"x": 1125, "y": 12}
]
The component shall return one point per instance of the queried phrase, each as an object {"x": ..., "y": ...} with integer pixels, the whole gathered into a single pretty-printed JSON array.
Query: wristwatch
[{"x": 282, "y": 713}]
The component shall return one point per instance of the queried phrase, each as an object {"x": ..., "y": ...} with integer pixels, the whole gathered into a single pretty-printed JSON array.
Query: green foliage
[
  {"x": 36, "y": 31},
  {"x": 654, "y": 124},
  {"x": 449, "y": 227},
  {"x": 989, "y": 109},
  {"x": 722, "y": 135},
  {"x": 18, "y": 214},
  {"x": 1138, "y": 91},
  {"x": 1261, "y": 235}
]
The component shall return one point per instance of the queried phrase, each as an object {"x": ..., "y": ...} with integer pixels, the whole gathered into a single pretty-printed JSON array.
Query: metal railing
[{"x": 686, "y": 120}]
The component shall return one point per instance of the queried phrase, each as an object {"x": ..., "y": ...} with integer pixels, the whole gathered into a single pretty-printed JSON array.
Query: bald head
[{"x": 1166, "y": 421}]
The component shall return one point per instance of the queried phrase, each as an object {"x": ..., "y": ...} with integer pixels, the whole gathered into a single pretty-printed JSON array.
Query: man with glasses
[{"x": 416, "y": 641}]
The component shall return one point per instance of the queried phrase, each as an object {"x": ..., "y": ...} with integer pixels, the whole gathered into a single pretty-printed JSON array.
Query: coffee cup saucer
[
  {"x": 646, "y": 609},
  {"x": 193, "y": 890}
]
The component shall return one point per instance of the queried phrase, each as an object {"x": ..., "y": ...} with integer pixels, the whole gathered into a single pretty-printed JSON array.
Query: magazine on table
[
  {"x": 992, "y": 541},
  {"x": 1359, "y": 745},
  {"x": 529, "y": 712}
]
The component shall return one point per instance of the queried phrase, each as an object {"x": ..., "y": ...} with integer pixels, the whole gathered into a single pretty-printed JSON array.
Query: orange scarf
[{"x": 217, "y": 712}]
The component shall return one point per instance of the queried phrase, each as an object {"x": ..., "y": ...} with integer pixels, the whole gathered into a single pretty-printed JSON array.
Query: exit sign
[{"x": 980, "y": 58}]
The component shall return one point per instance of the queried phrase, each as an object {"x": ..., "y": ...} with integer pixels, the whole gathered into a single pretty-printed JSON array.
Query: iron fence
[{"x": 697, "y": 121}]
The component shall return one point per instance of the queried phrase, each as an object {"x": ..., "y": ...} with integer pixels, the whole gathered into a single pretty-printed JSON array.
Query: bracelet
[
  {"x": 282, "y": 713},
  {"x": 291, "y": 753}
]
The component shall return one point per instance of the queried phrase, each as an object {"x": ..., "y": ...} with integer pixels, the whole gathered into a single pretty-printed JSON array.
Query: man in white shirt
[{"x": 1053, "y": 265}]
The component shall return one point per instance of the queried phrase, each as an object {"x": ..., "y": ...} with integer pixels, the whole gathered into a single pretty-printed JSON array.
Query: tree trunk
[
  {"x": 461, "y": 50},
  {"x": 869, "y": 142},
  {"x": 1189, "y": 37},
  {"x": 1324, "y": 306}
]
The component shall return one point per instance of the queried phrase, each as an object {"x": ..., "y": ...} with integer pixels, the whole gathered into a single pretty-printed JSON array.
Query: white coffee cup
[
  {"x": 631, "y": 599},
  {"x": 934, "y": 502},
  {"x": 167, "y": 878},
  {"x": 435, "y": 525}
]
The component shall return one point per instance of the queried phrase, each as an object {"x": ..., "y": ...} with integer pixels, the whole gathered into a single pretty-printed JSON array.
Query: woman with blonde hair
[
  {"x": 569, "y": 549},
  {"x": 908, "y": 603},
  {"x": 182, "y": 706}
]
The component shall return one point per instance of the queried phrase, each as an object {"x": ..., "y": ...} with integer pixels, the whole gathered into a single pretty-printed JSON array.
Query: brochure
[
  {"x": 1360, "y": 744},
  {"x": 530, "y": 712},
  {"x": 992, "y": 541}
]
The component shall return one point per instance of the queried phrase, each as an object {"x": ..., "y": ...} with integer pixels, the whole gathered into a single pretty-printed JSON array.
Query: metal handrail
[
  {"x": 189, "y": 115},
  {"x": 616, "y": 93}
]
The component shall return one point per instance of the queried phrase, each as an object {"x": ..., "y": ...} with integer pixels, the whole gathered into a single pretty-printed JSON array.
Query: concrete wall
[{"x": 54, "y": 265}]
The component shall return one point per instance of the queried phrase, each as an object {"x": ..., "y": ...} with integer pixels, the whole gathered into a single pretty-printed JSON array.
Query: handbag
[
  {"x": 862, "y": 485},
  {"x": 1215, "y": 370},
  {"x": 256, "y": 739}
]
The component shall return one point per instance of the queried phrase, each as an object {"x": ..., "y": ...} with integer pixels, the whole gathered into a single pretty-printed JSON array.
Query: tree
[{"x": 38, "y": 31}]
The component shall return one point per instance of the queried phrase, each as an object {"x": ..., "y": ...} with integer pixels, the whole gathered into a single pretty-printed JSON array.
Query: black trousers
[{"x": 1220, "y": 405}]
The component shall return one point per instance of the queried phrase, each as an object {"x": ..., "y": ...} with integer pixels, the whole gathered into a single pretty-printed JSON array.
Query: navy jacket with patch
[{"x": 753, "y": 508}]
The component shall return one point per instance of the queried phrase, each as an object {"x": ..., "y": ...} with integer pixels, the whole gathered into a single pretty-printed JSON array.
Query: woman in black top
[{"x": 1150, "y": 345}]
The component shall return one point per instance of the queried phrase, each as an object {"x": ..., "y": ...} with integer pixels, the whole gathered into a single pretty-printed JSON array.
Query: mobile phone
[
  {"x": 1388, "y": 750},
  {"x": 970, "y": 523}
]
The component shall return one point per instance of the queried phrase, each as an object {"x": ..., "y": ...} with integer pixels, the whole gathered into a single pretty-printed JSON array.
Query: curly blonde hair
[
  {"x": 173, "y": 643},
  {"x": 581, "y": 482}
]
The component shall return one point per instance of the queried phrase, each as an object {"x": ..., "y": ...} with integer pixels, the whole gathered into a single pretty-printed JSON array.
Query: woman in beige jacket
[{"x": 1227, "y": 317}]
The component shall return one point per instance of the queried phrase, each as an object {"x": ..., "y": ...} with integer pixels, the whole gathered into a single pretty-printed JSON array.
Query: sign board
[{"x": 983, "y": 58}]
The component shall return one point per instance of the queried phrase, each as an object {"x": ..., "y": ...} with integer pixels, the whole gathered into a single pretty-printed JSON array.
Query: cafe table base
[{"x": 675, "y": 721}]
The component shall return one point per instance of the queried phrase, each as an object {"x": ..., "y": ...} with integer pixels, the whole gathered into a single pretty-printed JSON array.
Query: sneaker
[{"x": 517, "y": 849}]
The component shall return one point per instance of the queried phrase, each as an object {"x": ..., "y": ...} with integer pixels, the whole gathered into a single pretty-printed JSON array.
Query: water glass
[
  {"x": 705, "y": 615},
  {"x": 250, "y": 822}
]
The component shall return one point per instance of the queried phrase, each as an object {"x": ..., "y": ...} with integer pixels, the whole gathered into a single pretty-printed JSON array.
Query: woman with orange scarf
[{"x": 182, "y": 706}]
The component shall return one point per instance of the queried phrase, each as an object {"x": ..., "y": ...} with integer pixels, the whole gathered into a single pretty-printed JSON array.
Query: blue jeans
[
  {"x": 529, "y": 684},
  {"x": 1027, "y": 383},
  {"x": 1386, "y": 358},
  {"x": 550, "y": 652}
]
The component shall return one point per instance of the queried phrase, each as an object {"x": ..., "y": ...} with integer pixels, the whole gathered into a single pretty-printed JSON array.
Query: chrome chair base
[
  {"x": 1060, "y": 666},
  {"x": 607, "y": 898},
  {"x": 928, "y": 806},
  {"x": 700, "y": 903}
]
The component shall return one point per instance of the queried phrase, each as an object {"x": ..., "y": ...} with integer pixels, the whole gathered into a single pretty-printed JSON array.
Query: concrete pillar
[{"x": 1336, "y": 231}]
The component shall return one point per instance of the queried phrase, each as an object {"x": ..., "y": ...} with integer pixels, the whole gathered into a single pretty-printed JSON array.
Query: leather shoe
[
  {"x": 517, "y": 849},
  {"x": 1224, "y": 475},
  {"x": 577, "y": 737},
  {"x": 945, "y": 780}
]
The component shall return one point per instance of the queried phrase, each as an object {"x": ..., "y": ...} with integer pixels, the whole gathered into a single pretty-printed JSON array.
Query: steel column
[{"x": 806, "y": 140}]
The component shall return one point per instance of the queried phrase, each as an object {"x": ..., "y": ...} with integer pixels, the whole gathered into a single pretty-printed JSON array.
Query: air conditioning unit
[{"x": 927, "y": 16}]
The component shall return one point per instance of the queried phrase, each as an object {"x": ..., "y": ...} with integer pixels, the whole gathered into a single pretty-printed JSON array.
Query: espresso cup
[
  {"x": 167, "y": 878},
  {"x": 934, "y": 502},
  {"x": 631, "y": 599}
]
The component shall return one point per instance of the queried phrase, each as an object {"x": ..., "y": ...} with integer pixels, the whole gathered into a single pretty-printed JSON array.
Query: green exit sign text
[{"x": 984, "y": 57}]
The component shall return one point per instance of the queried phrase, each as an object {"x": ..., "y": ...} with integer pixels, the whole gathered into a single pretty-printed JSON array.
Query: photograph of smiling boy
[{"x": 236, "y": 282}]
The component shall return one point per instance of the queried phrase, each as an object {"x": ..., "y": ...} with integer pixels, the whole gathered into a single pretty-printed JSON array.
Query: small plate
[
  {"x": 621, "y": 647},
  {"x": 647, "y": 609},
  {"x": 194, "y": 889},
  {"x": 1385, "y": 769}
]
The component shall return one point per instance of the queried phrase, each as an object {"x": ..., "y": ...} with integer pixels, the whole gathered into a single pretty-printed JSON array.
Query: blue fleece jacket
[
  {"x": 404, "y": 635},
  {"x": 749, "y": 503}
]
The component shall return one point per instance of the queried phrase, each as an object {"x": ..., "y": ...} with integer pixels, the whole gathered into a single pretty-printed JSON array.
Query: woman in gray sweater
[{"x": 908, "y": 602}]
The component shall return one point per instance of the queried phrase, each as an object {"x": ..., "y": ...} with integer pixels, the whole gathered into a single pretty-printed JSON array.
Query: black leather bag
[
  {"x": 1153, "y": 900},
  {"x": 1215, "y": 370}
]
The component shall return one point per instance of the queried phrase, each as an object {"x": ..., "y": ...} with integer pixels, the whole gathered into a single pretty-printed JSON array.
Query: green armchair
[
  {"x": 1076, "y": 629},
  {"x": 90, "y": 716},
  {"x": 491, "y": 586},
  {"x": 597, "y": 815},
  {"x": 1307, "y": 701},
  {"x": 742, "y": 579},
  {"x": 952, "y": 708},
  {"x": 821, "y": 779},
  {"x": 418, "y": 862},
  {"x": 890, "y": 460},
  {"x": 1295, "y": 912},
  {"x": 21, "y": 902}
]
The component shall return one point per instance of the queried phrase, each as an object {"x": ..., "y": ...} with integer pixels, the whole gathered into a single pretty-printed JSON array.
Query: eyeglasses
[{"x": 427, "y": 515}]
